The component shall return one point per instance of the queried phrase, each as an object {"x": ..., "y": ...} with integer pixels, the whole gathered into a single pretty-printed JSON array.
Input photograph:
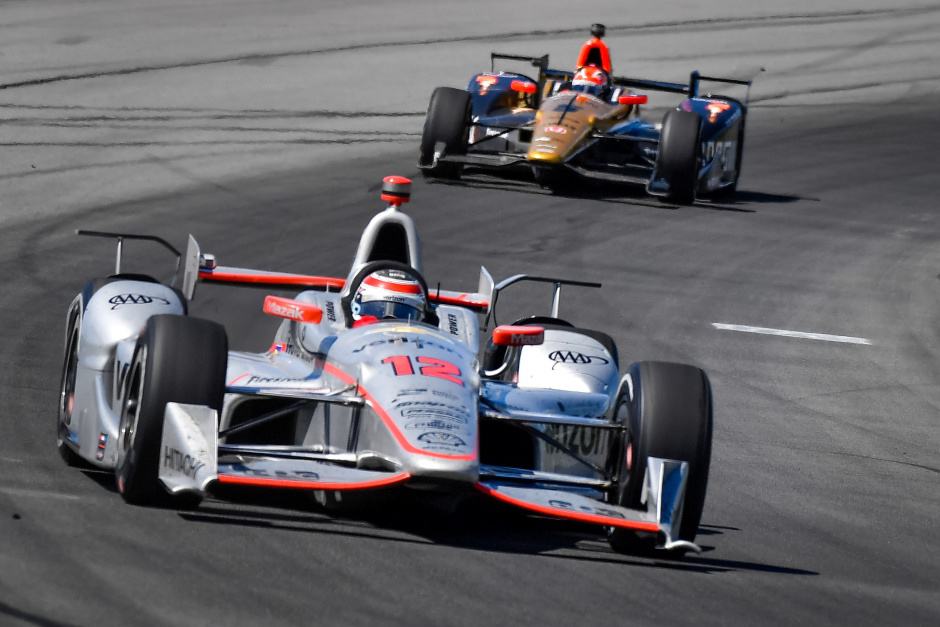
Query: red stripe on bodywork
[
  {"x": 303, "y": 280},
  {"x": 392, "y": 286},
  {"x": 299, "y": 280},
  {"x": 463, "y": 300},
  {"x": 388, "y": 420},
  {"x": 561, "y": 513},
  {"x": 265, "y": 482}
]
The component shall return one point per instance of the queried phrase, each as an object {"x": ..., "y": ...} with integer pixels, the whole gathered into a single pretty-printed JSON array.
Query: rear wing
[
  {"x": 691, "y": 89},
  {"x": 541, "y": 63},
  {"x": 517, "y": 278},
  {"x": 201, "y": 267},
  {"x": 121, "y": 237}
]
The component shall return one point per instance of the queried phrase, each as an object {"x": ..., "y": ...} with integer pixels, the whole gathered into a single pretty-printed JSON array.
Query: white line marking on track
[{"x": 823, "y": 337}]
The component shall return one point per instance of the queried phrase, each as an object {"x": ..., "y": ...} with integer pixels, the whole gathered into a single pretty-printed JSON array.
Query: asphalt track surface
[{"x": 825, "y": 487}]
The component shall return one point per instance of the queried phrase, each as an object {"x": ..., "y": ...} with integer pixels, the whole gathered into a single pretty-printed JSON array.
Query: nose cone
[
  {"x": 544, "y": 152},
  {"x": 550, "y": 142}
]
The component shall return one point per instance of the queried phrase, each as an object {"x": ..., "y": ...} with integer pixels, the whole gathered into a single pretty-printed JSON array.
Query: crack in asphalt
[{"x": 700, "y": 23}]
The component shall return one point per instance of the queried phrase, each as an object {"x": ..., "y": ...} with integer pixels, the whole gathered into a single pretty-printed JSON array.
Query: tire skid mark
[
  {"x": 777, "y": 52},
  {"x": 216, "y": 113},
  {"x": 220, "y": 142},
  {"x": 784, "y": 93},
  {"x": 700, "y": 23},
  {"x": 118, "y": 123}
]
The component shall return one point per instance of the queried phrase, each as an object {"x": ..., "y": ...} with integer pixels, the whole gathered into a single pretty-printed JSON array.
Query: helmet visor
[{"x": 388, "y": 309}]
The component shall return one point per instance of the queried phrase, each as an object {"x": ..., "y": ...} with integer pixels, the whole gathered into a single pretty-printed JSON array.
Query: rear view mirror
[
  {"x": 524, "y": 87},
  {"x": 632, "y": 99},
  {"x": 509, "y": 335}
]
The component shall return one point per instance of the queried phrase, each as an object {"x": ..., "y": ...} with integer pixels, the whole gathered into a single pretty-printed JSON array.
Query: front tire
[
  {"x": 446, "y": 122},
  {"x": 177, "y": 359},
  {"x": 679, "y": 155},
  {"x": 554, "y": 179},
  {"x": 670, "y": 417},
  {"x": 67, "y": 389}
]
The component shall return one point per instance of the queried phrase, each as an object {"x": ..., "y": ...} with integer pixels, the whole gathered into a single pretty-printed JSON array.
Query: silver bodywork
[{"x": 333, "y": 407}]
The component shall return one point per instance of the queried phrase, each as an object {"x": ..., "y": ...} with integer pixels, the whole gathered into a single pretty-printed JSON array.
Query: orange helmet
[{"x": 591, "y": 80}]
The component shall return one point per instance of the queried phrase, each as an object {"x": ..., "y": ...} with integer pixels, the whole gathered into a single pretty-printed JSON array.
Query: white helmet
[{"x": 388, "y": 294}]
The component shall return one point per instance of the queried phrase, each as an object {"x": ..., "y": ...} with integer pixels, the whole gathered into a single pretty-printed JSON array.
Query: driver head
[
  {"x": 591, "y": 80},
  {"x": 389, "y": 295}
]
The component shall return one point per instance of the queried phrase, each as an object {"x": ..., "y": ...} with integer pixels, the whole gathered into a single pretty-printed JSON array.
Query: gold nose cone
[{"x": 544, "y": 154}]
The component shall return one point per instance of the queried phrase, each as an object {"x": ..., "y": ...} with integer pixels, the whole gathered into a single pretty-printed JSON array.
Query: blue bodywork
[{"x": 501, "y": 120}]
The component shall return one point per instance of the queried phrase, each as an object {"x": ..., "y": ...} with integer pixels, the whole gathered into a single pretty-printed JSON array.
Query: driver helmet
[
  {"x": 389, "y": 294},
  {"x": 591, "y": 80}
]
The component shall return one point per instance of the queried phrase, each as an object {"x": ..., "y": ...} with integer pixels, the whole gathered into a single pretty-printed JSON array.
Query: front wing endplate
[{"x": 665, "y": 493}]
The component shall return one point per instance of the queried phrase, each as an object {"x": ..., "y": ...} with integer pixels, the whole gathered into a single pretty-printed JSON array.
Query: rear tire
[
  {"x": 679, "y": 154},
  {"x": 670, "y": 416},
  {"x": 446, "y": 121},
  {"x": 177, "y": 359}
]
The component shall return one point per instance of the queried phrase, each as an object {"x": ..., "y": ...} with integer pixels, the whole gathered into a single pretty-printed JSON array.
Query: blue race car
[{"x": 567, "y": 127}]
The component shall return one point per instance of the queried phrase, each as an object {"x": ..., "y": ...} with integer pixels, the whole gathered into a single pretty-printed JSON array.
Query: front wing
[{"x": 189, "y": 462}]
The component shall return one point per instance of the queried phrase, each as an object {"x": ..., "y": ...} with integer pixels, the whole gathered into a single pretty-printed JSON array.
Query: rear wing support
[
  {"x": 537, "y": 62},
  {"x": 556, "y": 292},
  {"x": 120, "y": 237}
]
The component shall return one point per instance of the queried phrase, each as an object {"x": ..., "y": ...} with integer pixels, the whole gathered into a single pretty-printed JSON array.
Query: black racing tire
[
  {"x": 555, "y": 179},
  {"x": 669, "y": 416},
  {"x": 447, "y": 121},
  {"x": 680, "y": 154},
  {"x": 67, "y": 388},
  {"x": 177, "y": 359}
]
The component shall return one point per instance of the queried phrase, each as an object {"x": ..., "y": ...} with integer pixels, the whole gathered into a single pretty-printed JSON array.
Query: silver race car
[{"x": 377, "y": 381}]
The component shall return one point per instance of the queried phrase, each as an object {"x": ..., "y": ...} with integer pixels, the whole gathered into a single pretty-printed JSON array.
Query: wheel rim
[
  {"x": 67, "y": 388},
  {"x": 623, "y": 415},
  {"x": 130, "y": 408}
]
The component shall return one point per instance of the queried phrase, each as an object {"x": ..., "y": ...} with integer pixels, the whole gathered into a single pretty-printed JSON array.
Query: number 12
[{"x": 431, "y": 367}]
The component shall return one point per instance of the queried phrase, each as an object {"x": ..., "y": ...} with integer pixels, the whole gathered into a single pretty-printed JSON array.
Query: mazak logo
[
  {"x": 572, "y": 357},
  {"x": 286, "y": 311},
  {"x": 136, "y": 299}
]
